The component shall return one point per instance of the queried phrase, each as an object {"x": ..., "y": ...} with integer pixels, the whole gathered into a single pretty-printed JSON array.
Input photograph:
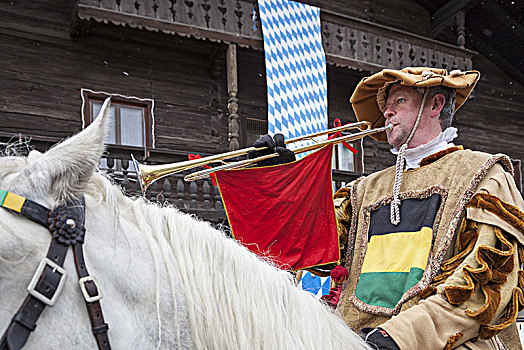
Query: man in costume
[{"x": 434, "y": 244}]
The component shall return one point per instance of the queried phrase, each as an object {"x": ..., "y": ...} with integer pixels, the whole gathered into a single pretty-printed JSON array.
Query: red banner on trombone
[{"x": 284, "y": 212}]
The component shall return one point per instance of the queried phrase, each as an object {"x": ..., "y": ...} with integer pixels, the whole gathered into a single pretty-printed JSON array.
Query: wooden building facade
[{"x": 189, "y": 77}]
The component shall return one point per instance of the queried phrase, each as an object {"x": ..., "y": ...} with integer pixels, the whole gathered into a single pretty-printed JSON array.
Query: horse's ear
[{"x": 65, "y": 169}]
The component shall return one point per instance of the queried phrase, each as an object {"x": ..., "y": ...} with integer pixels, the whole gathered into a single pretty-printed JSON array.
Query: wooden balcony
[{"x": 348, "y": 41}]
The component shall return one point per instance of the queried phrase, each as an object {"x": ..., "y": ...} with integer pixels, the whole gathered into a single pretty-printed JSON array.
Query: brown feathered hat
[{"x": 369, "y": 98}]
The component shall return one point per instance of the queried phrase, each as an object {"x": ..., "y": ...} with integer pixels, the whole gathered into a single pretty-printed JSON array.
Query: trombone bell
[{"x": 144, "y": 178}]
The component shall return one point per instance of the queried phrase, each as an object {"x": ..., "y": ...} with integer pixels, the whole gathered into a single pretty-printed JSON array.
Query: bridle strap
[
  {"x": 50, "y": 276},
  {"x": 24, "y": 321},
  {"x": 31, "y": 210},
  {"x": 98, "y": 326}
]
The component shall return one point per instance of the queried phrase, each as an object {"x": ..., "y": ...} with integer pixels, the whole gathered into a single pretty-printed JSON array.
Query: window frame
[
  {"x": 357, "y": 158},
  {"x": 244, "y": 137},
  {"x": 146, "y": 104}
]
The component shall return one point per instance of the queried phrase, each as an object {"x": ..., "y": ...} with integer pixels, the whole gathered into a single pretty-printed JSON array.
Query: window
[
  {"x": 254, "y": 129},
  {"x": 131, "y": 119},
  {"x": 344, "y": 159}
]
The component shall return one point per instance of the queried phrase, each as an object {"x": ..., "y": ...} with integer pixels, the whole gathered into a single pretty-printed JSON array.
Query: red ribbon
[
  {"x": 336, "y": 124},
  {"x": 192, "y": 156}
]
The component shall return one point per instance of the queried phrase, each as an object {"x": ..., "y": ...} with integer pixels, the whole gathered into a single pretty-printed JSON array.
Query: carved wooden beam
[
  {"x": 232, "y": 103},
  {"x": 461, "y": 29},
  {"x": 446, "y": 15}
]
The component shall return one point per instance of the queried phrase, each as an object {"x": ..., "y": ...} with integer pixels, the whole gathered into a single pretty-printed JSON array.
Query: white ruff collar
[{"x": 413, "y": 156}]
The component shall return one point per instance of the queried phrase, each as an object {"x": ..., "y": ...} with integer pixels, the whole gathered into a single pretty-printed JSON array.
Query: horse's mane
[{"x": 234, "y": 300}]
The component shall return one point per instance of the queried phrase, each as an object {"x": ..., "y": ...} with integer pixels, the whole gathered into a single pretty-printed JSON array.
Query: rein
[{"x": 66, "y": 224}]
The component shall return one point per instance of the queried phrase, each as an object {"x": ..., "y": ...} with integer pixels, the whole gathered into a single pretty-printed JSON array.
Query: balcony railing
[
  {"x": 347, "y": 41},
  {"x": 200, "y": 197}
]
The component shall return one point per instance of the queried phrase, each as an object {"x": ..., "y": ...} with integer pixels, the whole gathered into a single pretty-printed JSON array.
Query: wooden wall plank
[{"x": 42, "y": 80}]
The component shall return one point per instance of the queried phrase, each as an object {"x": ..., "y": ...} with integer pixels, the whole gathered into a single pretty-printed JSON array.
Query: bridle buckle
[
  {"x": 82, "y": 281},
  {"x": 36, "y": 277}
]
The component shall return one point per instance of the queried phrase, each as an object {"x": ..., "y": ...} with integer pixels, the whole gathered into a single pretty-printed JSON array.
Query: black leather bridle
[{"x": 66, "y": 224}]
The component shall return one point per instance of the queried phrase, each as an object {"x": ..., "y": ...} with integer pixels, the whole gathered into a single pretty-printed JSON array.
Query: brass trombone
[
  {"x": 234, "y": 165},
  {"x": 147, "y": 174}
]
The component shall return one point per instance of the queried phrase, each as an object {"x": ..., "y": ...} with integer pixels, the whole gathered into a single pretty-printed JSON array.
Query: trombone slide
[{"x": 234, "y": 165}]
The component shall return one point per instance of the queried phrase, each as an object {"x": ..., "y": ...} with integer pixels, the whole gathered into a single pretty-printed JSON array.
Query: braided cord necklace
[{"x": 399, "y": 167}]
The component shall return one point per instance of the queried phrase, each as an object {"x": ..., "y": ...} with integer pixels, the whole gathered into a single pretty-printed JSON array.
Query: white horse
[{"x": 169, "y": 281}]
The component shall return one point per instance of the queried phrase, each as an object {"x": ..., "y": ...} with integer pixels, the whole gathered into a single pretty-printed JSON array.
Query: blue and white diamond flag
[
  {"x": 316, "y": 285},
  {"x": 295, "y": 69}
]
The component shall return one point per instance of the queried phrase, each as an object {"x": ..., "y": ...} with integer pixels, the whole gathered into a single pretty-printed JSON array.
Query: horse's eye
[{"x": 401, "y": 100}]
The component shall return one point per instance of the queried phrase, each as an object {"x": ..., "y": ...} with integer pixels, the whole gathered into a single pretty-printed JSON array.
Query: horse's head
[{"x": 62, "y": 172}]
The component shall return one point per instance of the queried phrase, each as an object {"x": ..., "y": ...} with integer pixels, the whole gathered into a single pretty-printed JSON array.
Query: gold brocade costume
[{"x": 466, "y": 288}]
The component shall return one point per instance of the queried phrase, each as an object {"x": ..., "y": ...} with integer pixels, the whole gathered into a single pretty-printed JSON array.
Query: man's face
[{"x": 402, "y": 107}]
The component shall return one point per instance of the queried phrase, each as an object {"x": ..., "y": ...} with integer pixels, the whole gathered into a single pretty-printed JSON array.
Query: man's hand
[
  {"x": 273, "y": 144},
  {"x": 378, "y": 339}
]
